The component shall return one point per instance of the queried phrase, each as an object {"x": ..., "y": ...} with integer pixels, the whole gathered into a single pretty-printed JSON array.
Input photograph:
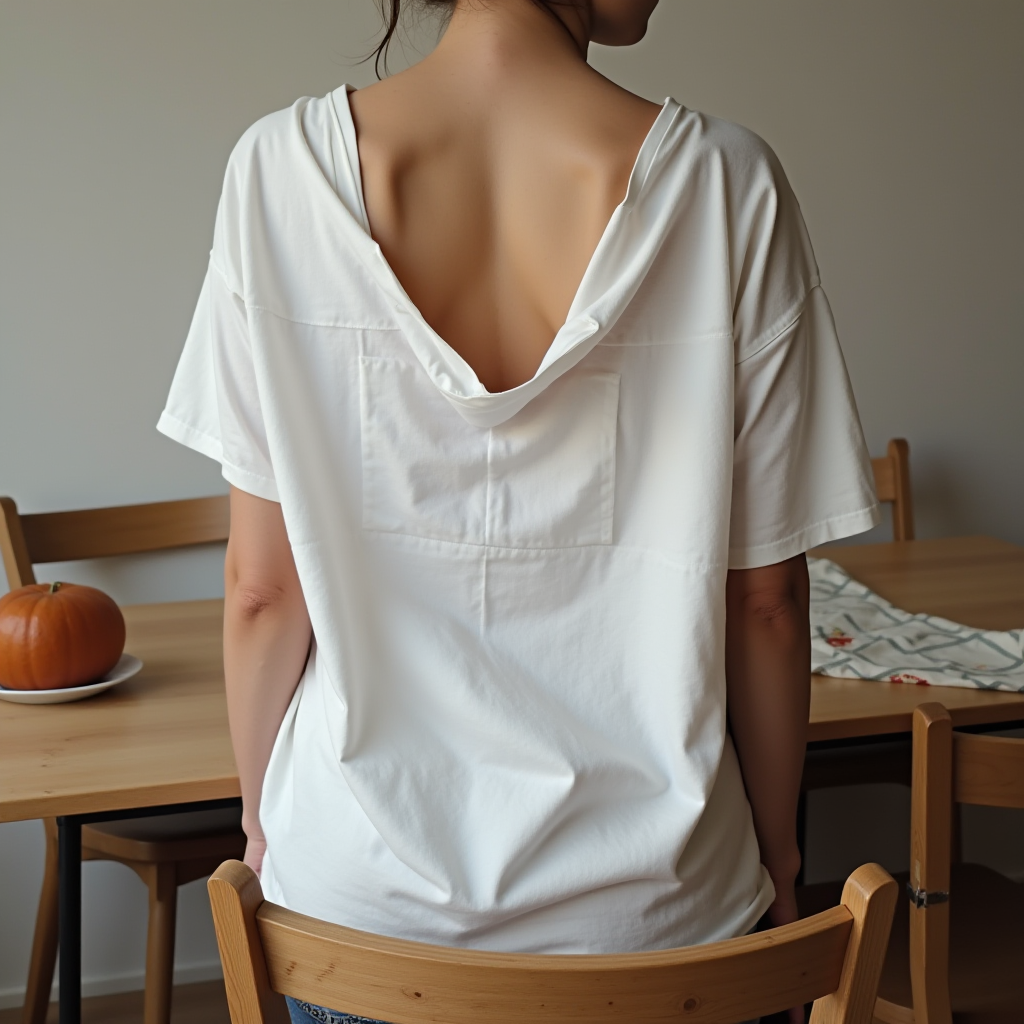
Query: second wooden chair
[{"x": 957, "y": 951}]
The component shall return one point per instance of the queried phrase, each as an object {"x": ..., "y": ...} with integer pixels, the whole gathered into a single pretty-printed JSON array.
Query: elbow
[
  {"x": 255, "y": 601},
  {"x": 778, "y": 617},
  {"x": 773, "y": 610},
  {"x": 773, "y": 599}
]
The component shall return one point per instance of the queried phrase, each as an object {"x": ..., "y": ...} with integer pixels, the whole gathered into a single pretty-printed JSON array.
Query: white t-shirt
[{"x": 511, "y": 732}]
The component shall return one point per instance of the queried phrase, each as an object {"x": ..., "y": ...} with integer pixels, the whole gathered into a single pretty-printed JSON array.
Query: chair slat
[
  {"x": 988, "y": 770},
  {"x": 235, "y": 896},
  {"x": 885, "y": 478},
  {"x": 892, "y": 483},
  {"x": 411, "y": 983},
  {"x": 870, "y": 895},
  {"x": 13, "y": 549},
  {"x": 931, "y": 802},
  {"x": 125, "y": 529},
  {"x": 930, "y": 849}
]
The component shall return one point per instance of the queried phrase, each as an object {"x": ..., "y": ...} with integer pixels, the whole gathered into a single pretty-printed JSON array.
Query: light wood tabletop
[{"x": 162, "y": 737}]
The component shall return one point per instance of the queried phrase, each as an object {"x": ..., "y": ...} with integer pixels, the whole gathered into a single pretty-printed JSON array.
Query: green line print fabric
[{"x": 855, "y": 634}]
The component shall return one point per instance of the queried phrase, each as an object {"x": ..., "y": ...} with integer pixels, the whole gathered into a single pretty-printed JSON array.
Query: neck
[{"x": 508, "y": 37}]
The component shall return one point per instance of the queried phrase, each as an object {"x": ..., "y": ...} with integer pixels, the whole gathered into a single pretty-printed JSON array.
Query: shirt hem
[
  {"x": 210, "y": 446},
  {"x": 833, "y": 528},
  {"x": 260, "y": 486},
  {"x": 206, "y": 444}
]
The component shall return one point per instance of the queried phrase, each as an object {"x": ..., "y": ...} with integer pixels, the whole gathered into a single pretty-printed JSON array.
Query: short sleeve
[
  {"x": 214, "y": 403},
  {"x": 801, "y": 472}
]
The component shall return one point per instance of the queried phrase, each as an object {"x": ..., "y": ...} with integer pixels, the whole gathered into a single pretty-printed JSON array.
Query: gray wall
[{"x": 899, "y": 125}]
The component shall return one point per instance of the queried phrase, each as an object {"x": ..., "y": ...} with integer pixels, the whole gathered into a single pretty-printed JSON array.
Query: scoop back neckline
[{"x": 576, "y": 314}]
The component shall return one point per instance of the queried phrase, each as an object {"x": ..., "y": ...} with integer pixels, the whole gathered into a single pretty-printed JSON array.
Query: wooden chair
[
  {"x": 892, "y": 484},
  {"x": 957, "y": 953},
  {"x": 164, "y": 852},
  {"x": 834, "y": 958}
]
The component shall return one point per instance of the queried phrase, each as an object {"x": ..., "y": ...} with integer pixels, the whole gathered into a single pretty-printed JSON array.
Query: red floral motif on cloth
[{"x": 837, "y": 638}]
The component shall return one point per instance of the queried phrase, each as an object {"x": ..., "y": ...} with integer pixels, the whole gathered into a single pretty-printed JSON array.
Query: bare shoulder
[
  {"x": 617, "y": 116},
  {"x": 388, "y": 110},
  {"x": 625, "y": 104}
]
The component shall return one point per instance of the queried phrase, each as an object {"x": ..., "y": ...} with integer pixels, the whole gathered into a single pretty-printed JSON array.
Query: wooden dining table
[{"x": 160, "y": 740}]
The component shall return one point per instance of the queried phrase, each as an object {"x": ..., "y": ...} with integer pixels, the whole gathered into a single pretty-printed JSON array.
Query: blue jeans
[{"x": 307, "y": 1013}]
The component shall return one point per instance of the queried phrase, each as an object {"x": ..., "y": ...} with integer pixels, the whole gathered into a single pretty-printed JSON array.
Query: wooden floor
[{"x": 192, "y": 1004}]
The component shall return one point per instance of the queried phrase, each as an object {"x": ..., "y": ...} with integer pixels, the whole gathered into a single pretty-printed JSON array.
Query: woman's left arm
[
  {"x": 266, "y": 641},
  {"x": 768, "y": 676}
]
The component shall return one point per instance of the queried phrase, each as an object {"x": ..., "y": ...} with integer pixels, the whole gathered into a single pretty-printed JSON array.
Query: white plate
[{"x": 125, "y": 668}]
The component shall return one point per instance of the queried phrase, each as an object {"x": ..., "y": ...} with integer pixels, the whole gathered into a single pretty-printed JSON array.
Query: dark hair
[{"x": 391, "y": 13}]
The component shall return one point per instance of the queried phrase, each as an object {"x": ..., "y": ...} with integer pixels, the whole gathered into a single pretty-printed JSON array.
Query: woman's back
[{"x": 490, "y": 170}]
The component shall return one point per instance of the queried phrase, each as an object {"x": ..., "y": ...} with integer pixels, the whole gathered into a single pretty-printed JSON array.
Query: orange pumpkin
[{"x": 54, "y": 635}]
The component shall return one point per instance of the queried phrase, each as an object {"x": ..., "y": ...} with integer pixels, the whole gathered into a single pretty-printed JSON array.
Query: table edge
[
  {"x": 90, "y": 802},
  {"x": 902, "y": 721}
]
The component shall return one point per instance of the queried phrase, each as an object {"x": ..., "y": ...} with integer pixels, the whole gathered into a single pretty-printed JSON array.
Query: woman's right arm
[{"x": 266, "y": 641}]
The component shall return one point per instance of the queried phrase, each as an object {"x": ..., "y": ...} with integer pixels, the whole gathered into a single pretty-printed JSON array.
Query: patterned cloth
[{"x": 858, "y": 635}]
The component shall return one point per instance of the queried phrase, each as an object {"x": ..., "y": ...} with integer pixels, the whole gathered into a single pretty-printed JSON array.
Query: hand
[
  {"x": 255, "y": 848},
  {"x": 784, "y": 911}
]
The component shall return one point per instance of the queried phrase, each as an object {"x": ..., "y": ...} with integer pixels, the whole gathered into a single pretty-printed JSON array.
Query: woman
[{"x": 530, "y": 402}]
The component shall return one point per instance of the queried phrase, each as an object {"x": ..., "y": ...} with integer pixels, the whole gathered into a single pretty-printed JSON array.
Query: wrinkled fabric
[
  {"x": 856, "y": 634},
  {"x": 511, "y": 729}
]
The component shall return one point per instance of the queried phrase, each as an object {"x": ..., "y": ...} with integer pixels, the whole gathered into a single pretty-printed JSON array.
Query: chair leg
[
  {"x": 163, "y": 899},
  {"x": 44, "y": 941}
]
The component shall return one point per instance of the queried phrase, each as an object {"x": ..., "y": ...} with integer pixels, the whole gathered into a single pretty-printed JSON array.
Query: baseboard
[{"x": 109, "y": 984}]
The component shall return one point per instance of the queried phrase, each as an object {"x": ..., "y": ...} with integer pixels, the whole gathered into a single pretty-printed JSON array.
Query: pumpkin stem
[{"x": 54, "y": 587}]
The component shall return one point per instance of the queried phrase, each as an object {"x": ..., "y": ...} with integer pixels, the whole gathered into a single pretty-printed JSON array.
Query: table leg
[
  {"x": 69, "y": 842},
  {"x": 69, "y": 847}
]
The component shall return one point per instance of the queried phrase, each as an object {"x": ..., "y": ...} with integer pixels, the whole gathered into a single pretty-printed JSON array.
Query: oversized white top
[{"x": 511, "y": 731}]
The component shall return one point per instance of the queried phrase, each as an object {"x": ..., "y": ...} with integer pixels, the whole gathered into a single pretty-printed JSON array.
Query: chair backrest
[
  {"x": 892, "y": 484},
  {"x": 101, "y": 532},
  {"x": 835, "y": 958},
  {"x": 949, "y": 767}
]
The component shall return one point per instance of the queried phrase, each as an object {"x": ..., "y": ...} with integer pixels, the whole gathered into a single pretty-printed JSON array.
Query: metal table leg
[
  {"x": 69, "y": 840},
  {"x": 69, "y": 847}
]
